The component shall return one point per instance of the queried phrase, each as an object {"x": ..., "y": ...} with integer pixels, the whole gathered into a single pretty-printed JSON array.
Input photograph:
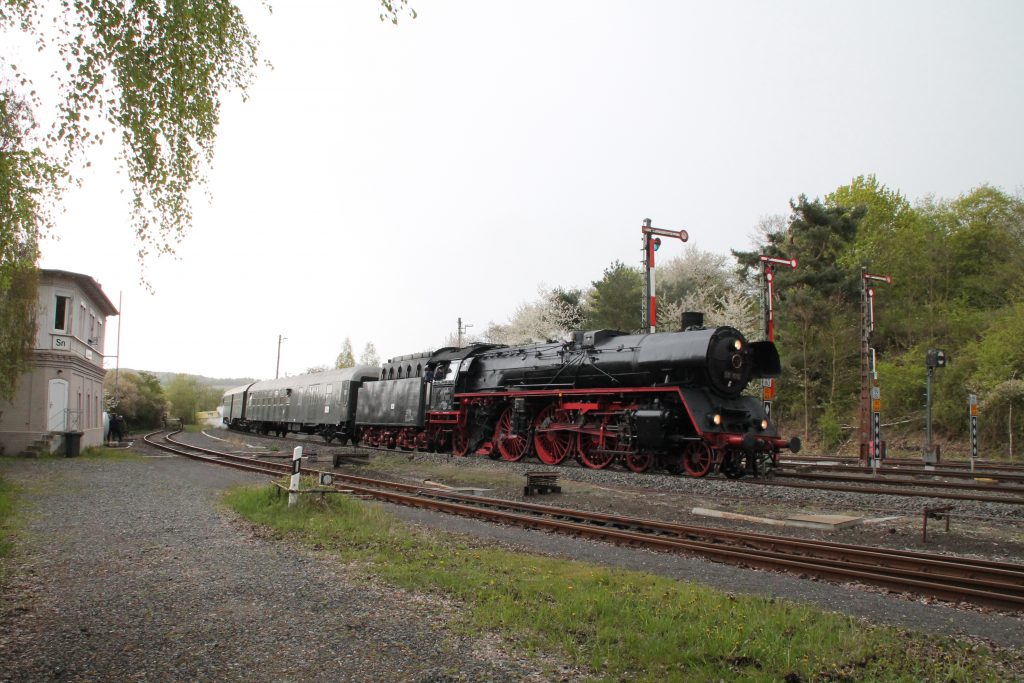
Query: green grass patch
[
  {"x": 194, "y": 429},
  {"x": 619, "y": 625},
  {"x": 8, "y": 519}
]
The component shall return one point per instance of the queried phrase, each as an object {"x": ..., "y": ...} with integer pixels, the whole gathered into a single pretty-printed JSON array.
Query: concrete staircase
[{"x": 42, "y": 445}]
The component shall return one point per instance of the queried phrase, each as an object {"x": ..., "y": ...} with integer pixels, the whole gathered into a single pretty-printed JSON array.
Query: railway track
[
  {"x": 875, "y": 484},
  {"x": 899, "y": 471},
  {"x": 895, "y": 486},
  {"x": 982, "y": 582},
  {"x": 980, "y": 466}
]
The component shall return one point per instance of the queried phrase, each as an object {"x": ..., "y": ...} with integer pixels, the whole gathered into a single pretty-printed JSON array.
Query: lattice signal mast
[
  {"x": 651, "y": 244},
  {"x": 768, "y": 311},
  {"x": 870, "y": 394}
]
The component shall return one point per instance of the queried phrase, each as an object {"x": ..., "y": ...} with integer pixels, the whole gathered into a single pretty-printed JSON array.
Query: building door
[{"x": 57, "y": 401}]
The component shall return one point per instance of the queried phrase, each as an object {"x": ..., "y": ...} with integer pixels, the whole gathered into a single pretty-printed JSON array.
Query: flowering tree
[{"x": 552, "y": 315}]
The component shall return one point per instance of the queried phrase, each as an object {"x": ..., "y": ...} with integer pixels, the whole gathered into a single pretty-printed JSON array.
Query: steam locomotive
[{"x": 672, "y": 400}]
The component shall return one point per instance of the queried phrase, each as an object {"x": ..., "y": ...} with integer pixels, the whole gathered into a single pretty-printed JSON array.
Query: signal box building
[{"x": 61, "y": 390}]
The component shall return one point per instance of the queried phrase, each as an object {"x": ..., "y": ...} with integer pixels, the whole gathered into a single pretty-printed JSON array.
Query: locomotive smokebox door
[{"x": 651, "y": 428}]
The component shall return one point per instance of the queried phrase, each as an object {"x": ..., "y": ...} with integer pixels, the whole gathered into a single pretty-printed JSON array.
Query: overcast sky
[{"x": 383, "y": 181}]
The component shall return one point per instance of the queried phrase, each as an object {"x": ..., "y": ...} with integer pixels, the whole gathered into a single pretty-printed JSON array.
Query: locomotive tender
[{"x": 672, "y": 400}]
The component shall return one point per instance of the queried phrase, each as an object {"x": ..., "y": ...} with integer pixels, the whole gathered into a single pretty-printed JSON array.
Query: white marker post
[{"x": 293, "y": 486}]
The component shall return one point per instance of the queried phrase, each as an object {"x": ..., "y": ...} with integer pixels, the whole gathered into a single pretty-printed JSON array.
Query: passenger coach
[{"x": 321, "y": 403}]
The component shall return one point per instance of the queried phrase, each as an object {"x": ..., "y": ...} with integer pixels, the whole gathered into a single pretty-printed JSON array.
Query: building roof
[{"x": 88, "y": 285}]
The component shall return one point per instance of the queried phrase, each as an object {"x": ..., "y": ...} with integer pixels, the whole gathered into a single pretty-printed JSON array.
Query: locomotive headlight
[
  {"x": 737, "y": 344},
  {"x": 716, "y": 419},
  {"x": 764, "y": 425}
]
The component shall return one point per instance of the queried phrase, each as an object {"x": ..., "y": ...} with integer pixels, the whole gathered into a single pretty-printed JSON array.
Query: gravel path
[{"x": 131, "y": 571}]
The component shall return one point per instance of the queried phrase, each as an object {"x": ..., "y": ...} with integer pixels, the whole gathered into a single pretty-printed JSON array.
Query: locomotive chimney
[{"x": 692, "y": 319}]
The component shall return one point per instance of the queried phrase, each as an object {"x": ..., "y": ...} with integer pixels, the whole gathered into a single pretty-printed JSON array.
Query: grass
[
  {"x": 8, "y": 519},
  {"x": 619, "y": 625}
]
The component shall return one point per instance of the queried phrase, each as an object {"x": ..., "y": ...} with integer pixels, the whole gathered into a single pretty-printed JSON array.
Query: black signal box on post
[{"x": 936, "y": 358}]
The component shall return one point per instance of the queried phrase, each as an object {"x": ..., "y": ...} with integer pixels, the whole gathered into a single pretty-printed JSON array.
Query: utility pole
[
  {"x": 768, "y": 312},
  {"x": 651, "y": 245},
  {"x": 277, "y": 370},
  {"x": 117, "y": 366},
  {"x": 870, "y": 394}
]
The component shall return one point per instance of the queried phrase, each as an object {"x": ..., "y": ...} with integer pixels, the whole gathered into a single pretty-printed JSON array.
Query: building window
[{"x": 60, "y": 316}]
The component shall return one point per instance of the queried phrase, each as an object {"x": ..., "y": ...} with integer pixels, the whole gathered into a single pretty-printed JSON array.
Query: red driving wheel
[
  {"x": 553, "y": 446},
  {"x": 698, "y": 459},
  {"x": 595, "y": 450},
  {"x": 511, "y": 446}
]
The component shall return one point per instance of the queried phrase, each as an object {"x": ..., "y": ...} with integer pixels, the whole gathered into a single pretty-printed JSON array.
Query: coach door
[{"x": 57, "y": 406}]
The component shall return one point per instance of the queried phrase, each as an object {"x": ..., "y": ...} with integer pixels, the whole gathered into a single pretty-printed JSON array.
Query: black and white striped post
[
  {"x": 293, "y": 486},
  {"x": 972, "y": 406}
]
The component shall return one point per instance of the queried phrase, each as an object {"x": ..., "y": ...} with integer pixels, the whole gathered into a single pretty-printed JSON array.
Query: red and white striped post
[
  {"x": 768, "y": 309},
  {"x": 651, "y": 244}
]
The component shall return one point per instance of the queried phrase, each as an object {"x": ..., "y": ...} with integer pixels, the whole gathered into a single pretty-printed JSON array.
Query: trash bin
[{"x": 72, "y": 444}]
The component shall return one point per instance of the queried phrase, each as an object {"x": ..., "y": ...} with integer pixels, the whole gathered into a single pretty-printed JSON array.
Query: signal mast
[
  {"x": 870, "y": 394},
  {"x": 768, "y": 311},
  {"x": 651, "y": 244}
]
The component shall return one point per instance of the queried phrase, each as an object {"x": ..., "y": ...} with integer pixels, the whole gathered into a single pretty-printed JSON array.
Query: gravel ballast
[{"x": 131, "y": 570}]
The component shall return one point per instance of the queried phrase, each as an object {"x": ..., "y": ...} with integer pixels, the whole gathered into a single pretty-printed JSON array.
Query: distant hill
[{"x": 218, "y": 382}]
